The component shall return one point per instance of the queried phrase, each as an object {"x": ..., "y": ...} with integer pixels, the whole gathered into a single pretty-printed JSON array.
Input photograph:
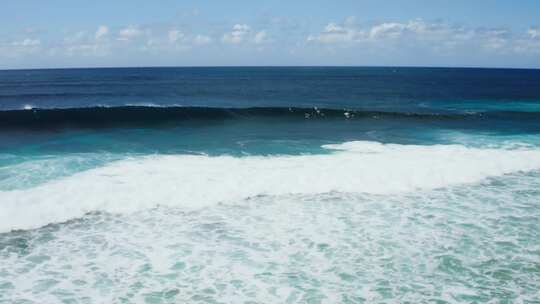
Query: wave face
[
  {"x": 100, "y": 117},
  {"x": 195, "y": 181},
  {"x": 140, "y": 115}
]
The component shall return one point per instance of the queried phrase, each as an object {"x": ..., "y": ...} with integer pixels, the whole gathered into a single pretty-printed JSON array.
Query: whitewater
[{"x": 193, "y": 181}]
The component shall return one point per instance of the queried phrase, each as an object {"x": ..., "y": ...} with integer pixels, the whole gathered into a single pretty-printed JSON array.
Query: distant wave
[{"x": 136, "y": 115}]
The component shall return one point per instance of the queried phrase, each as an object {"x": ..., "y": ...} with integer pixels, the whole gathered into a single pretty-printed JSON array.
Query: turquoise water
[{"x": 270, "y": 185}]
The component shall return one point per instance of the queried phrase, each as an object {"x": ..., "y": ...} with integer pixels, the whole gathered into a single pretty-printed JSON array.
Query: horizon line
[{"x": 269, "y": 66}]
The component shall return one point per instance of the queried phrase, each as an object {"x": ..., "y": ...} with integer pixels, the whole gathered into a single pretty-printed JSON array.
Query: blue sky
[{"x": 71, "y": 33}]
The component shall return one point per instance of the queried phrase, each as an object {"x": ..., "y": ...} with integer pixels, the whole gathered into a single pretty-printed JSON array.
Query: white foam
[
  {"x": 153, "y": 105},
  {"x": 192, "y": 181}
]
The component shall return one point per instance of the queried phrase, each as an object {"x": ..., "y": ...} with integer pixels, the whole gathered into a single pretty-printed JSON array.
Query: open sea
[{"x": 270, "y": 185}]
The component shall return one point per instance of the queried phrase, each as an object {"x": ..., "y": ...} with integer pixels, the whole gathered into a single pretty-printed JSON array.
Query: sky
[{"x": 120, "y": 33}]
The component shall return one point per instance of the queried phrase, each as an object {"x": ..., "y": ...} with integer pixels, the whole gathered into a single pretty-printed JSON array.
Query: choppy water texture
[{"x": 270, "y": 185}]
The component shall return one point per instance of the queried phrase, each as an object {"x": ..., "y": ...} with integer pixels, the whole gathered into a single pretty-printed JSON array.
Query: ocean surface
[{"x": 270, "y": 185}]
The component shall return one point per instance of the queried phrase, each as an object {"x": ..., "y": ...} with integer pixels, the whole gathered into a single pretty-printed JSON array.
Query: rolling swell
[{"x": 148, "y": 115}]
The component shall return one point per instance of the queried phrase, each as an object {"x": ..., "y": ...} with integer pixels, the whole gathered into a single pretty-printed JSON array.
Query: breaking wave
[
  {"x": 30, "y": 117},
  {"x": 192, "y": 181}
]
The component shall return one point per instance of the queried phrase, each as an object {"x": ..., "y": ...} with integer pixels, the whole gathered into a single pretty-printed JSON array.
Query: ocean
[{"x": 270, "y": 185}]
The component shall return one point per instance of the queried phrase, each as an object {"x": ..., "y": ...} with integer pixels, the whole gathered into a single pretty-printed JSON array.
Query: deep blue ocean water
[{"x": 270, "y": 185}]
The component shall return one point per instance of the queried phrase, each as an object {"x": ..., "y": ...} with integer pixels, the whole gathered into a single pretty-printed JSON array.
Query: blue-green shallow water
[{"x": 270, "y": 185}]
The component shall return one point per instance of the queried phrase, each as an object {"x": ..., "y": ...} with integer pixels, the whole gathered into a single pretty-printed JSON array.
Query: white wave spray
[{"x": 189, "y": 181}]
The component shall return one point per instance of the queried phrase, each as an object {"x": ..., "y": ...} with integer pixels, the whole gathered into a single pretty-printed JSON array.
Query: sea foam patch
[{"x": 191, "y": 181}]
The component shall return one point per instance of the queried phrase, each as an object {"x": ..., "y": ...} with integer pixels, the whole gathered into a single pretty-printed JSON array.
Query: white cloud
[
  {"x": 494, "y": 39},
  {"x": 334, "y": 33},
  {"x": 389, "y": 39},
  {"x": 237, "y": 35},
  {"x": 101, "y": 32},
  {"x": 534, "y": 33},
  {"x": 387, "y": 30},
  {"x": 87, "y": 49},
  {"x": 175, "y": 35},
  {"x": 18, "y": 49},
  {"x": 529, "y": 44},
  {"x": 415, "y": 29},
  {"x": 260, "y": 37},
  {"x": 202, "y": 40},
  {"x": 84, "y": 44},
  {"x": 129, "y": 33},
  {"x": 75, "y": 37},
  {"x": 419, "y": 35},
  {"x": 27, "y": 43}
]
